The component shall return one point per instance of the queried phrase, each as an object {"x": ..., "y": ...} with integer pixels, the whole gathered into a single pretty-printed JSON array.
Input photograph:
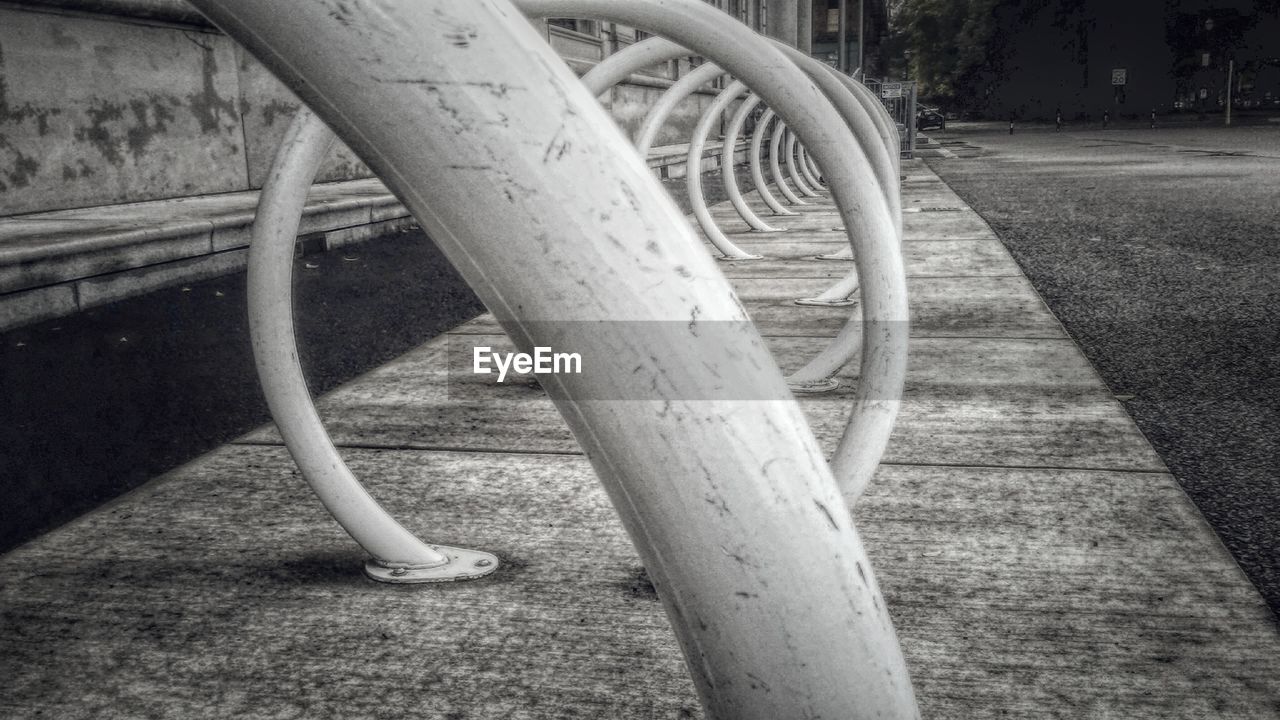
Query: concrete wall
[
  {"x": 150, "y": 103},
  {"x": 99, "y": 110}
]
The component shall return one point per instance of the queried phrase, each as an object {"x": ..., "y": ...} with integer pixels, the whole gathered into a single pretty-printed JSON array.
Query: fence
[{"x": 899, "y": 99}]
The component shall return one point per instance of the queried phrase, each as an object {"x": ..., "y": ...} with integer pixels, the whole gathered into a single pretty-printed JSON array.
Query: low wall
[{"x": 115, "y": 101}]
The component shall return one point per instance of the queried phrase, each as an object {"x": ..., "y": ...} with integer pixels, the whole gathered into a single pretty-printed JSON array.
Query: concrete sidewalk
[{"x": 1037, "y": 559}]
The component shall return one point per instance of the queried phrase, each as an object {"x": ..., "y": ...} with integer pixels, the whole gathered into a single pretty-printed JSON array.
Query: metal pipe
[
  {"x": 793, "y": 171},
  {"x": 807, "y": 379},
  {"x": 878, "y": 112},
  {"x": 693, "y": 175},
  {"x": 811, "y": 167},
  {"x": 661, "y": 110},
  {"x": 728, "y": 165},
  {"x": 808, "y": 653},
  {"x": 775, "y": 167},
  {"x": 757, "y": 170},
  {"x": 398, "y": 556},
  {"x": 620, "y": 65},
  {"x": 861, "y": 202},
  {"x": 806, "y": 171},
  {"x": 861, "y": 118},
  {"x": 862, "y": 63},
  {"x": 842, "y": 37}
]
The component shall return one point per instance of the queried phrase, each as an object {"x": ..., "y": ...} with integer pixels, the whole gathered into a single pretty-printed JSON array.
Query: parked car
[{"x": 928, "y": 117}]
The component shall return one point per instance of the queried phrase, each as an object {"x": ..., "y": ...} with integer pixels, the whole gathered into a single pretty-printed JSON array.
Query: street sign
[
  {"x": 891, "y": 90},
  {"x": 1119, "y": 76}
]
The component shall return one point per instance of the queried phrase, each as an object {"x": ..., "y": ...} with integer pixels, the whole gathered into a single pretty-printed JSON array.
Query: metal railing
[{"x": 457, "y": 129}]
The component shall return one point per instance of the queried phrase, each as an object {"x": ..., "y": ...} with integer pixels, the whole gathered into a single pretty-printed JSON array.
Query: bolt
[
  {"x": 399, "y": 572},
  {"x": 484, "y": 563}
]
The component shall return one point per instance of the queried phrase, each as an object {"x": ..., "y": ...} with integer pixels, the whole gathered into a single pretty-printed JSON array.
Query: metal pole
[
  {"x": 804, "y": 26},
  {"x": 1231, "y": 70},
  {"x": 842, "y": 37},
  {"x": 862, "y": 56}
]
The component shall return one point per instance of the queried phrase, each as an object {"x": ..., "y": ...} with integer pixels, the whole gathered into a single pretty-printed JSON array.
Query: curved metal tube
[
  {"x": 802, "y": 166},
  {"x": 620, "y": 65},
  {"x": 693, "y": 175},
  {"x": 661, "y": 110},
  {"x": 888, "y": 131},
  {"x": 813, "y": 165},
  {"x": 861, "y": 202},
  {"x": 888, "y": 128},
  {"x": 757, "y": 169},
  {"x": 728, "y": 167},
  {"x": 809, "y": 169},
  {"x": 861, "y": 114},
  {"x": 775, "y": 167},
  {"x": 398, "y": 555},
  {"x": 789, "y": 154},
  {"x": 809, "y": 654}
]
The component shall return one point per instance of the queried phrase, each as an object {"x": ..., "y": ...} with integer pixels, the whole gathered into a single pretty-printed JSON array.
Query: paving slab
[{"x": 942, "y": 258}]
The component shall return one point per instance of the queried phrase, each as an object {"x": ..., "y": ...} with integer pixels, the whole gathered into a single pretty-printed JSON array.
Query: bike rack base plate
[
  {"x": 815, "y": 386},
  {"x": 463, "y": 564},
  {"x": 826, "y": 303}
]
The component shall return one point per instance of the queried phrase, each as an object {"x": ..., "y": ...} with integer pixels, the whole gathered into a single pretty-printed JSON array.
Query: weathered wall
[
  {"x": 141, "y": 100},
  {"x": 95, "y": 112},
  {"x": 100, "y": 110}
]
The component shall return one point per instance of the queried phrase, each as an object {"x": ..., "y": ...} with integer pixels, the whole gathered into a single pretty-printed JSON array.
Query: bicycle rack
[
  {"x": 693, "y": 174},
  {"x": 661, "y": 110},
  {"x": 732, "y": 133},
  {"x": 784, "y": 527}
]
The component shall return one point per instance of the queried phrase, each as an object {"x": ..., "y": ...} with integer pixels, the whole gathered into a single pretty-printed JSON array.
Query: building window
[{"x": 586, "y": 27}]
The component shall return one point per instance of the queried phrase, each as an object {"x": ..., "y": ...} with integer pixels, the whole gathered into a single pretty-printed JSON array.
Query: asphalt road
[{"x": 1159, "y": 250}]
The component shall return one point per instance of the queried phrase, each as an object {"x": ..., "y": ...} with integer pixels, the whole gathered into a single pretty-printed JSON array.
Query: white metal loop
[
  {"x": 829, "y": 650},
  {"x": 804, "y": 163},
  {"x": 775, "y": 165},
  {"x": 728, "y": 166},
  {"x": 757, "y": 165},
  {"x": 693, "y": 175},
  {"x": 793, "y": 170},
  {"x": 661, "y": 110},
  {"x": 620, "y": 65},
  {"x": 398, "y": 555}
]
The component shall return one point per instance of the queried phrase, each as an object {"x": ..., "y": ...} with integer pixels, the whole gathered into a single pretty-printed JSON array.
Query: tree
[{"x": 959, "y": 49}]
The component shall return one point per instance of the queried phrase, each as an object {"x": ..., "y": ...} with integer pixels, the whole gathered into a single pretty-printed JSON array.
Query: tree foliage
[
  {"x": 959, "y": 49},
  {"x": 950, "y": 43}
]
